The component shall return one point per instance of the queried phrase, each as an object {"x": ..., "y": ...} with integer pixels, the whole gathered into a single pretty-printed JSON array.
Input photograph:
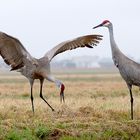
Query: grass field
[{"x": 97, "y": 107}]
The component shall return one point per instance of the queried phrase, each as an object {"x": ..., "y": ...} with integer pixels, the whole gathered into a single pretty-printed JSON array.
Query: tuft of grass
[
  {"x": 13, "y": 135},
  {"x": 42, "y": 132},
  {"x": 62, "y": 125}
]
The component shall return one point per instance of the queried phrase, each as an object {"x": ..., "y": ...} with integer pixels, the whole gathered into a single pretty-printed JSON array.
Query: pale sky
[{"x": 42, "y": 24}]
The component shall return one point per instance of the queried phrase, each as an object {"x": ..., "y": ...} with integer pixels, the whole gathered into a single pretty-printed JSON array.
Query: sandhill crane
[
  {"x": 129, "y": 69},
  {"x": 15, "y": 55}
]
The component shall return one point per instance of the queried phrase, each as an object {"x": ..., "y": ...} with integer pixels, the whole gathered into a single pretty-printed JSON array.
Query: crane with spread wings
[{"x": 15, "y": 55}]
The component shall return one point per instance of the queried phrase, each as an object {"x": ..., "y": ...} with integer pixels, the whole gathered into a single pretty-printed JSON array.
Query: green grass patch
[{"x": 16, "y": 134}]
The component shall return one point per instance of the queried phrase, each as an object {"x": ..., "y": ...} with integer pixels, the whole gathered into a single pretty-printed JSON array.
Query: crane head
[
  {"x": 62, "y": 88},
  {"x": 105, "y": 23}
]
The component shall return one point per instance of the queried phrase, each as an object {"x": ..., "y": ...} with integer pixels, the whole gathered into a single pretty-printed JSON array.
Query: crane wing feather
[
  {"x": 13, "y": 52},
  {"x": 83, "y": 41}
]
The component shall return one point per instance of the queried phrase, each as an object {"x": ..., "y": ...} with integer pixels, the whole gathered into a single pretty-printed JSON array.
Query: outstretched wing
[
  {"x": 13, "y": 52},
  {"x": 83, "y": 41}
]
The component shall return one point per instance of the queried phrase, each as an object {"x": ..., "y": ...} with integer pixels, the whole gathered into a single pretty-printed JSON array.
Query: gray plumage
[
  {"x": 129, "y": 69},
  {"x": 15, "y": 55}
]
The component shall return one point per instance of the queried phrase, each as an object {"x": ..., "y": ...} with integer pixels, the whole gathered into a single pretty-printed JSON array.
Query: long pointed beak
[
  {"x": 98, "y": 26},
  {"x": 62, "y": 98}
]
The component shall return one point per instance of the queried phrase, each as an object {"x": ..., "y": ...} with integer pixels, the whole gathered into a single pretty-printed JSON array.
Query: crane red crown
[
  {"x": 62, "y": 87},
  {"x": 105, "y": 21}
]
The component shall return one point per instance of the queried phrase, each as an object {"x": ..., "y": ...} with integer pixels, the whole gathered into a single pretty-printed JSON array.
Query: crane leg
[
  {"x": 31, "y": 83},
  {"x": 41, "y": 84},
  {"x": 131, "y": 100}
]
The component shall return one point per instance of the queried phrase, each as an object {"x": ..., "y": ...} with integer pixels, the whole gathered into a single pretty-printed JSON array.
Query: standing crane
[
  {"x": 129, "y": 69},
  {"x": 15, "y": 55}
]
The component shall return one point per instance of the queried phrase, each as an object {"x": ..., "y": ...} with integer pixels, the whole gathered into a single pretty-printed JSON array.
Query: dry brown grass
[{"x": 93, "y": 102}]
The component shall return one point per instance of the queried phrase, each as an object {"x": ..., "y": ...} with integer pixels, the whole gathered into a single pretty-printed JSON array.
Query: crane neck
[
  {"x": 113, "y": 44},
  {"x": 111, "y": 34},
  {"x": 56, "y": 81}
]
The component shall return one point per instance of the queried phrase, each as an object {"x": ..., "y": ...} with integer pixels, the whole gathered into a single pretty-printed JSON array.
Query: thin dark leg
[
  {"x": 131, "y": 100},
  {"x": 31, "y": 83},
  {"x": 41, "y": 84}
]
